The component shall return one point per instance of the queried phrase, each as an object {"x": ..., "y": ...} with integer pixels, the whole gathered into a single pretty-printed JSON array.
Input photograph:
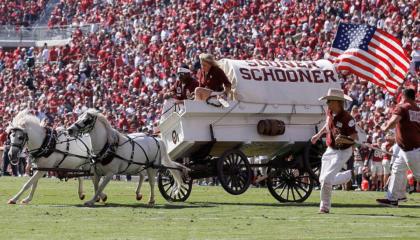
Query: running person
[
  {"x": 341, "y": 132},
  {"x": 406, "y": 119}
]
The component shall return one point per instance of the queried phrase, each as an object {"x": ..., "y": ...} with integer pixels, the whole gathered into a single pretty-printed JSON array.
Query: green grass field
[{"x": 210, "y": 213}]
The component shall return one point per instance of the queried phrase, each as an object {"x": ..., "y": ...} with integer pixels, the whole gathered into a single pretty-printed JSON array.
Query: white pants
[
  {"x": 386, "y": 164},
  {"x": 398, "y": 179},
  {"x": 332, "y": 162},
  {"x": 376, "y": 168}
]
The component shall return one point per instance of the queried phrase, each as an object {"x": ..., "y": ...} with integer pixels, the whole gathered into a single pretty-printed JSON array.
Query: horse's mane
[
  {"x": 22, "y": 119},
  {"x": 112, "y": 134}
]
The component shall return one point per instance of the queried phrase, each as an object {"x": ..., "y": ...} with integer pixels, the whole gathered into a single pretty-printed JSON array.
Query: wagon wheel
[
  {"x": 289, "y": 184},
  {"x": 234, "y": 172},
  {"x": 313, "y": 158},
  {"x": 166, "y": 184}
]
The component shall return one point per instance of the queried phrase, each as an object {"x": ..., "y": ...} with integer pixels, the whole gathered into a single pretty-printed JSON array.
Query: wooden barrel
[{"x": 271, "y": 127}]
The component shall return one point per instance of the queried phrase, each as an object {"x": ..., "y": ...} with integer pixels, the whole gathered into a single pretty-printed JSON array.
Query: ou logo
[{"x": 175, "y": 137}]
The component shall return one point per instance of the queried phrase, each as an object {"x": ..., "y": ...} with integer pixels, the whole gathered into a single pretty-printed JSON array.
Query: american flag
[{"x": 371, "y": 54}]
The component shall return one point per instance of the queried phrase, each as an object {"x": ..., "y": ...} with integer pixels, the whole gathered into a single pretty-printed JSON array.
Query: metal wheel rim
[{"x": 290, "y": 185}]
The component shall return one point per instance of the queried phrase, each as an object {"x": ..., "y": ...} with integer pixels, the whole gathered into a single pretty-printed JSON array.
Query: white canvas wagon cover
[{"x": 280, "y": 82}]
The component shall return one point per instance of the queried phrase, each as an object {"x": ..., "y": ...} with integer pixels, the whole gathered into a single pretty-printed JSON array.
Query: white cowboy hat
[{"x": 336, "y": 94}]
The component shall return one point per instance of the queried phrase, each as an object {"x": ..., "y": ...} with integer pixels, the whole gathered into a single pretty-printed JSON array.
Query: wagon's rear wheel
[
  {"x": 234, "y": 172},
  {"x": 167, "y": 185},
  {"x": 289, "y": 184}
]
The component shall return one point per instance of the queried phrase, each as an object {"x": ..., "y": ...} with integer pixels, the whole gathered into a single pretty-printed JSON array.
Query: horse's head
[
  {"x": 84, "y": 124},
  {"x": 18, "y": 139}
]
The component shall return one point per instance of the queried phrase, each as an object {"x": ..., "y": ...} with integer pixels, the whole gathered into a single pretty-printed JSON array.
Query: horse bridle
[
  {"x": 24, "y": 141},
  {"x": 88, "y": 126}
]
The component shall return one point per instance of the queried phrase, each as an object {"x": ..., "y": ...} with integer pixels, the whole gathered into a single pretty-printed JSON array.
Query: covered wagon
[{"x": 273, "y": 111}]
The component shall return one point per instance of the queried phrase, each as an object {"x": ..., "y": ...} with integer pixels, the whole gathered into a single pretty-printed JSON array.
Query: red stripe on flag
[
  {"x": 397, "y": 41},
  {"x": 394, "y": 60},
  {"x": 370, "y": 70},
  {"x": 335, "y": 54},
  {"x": 394, "y": 52},
  {"x": 389, "y": 64},
  {"x": 363, "y": 76},
  {"x": 362, "y": 57},
  {"x": 359, "y": 74}
]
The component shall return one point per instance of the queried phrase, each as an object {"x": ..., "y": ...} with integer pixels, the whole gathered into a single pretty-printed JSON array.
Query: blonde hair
[{"x": 208, "y": 58}]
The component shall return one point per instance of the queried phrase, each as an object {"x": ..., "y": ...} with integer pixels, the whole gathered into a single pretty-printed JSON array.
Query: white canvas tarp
[{"x": 280, "y": 82}]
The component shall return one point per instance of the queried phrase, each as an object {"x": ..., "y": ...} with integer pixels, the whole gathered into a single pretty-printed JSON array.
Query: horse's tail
[{"x": 174, "y": 167}]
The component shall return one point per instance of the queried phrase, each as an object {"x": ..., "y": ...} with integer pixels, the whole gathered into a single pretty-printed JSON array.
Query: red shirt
[
  {"x": 3, "y": 138},
  {"x": 215, "y": 79},
  {"x": 342, "y": 124},
  {"x": 122, "y": 122},
  {"x": 53, "y": 55},
  {"x": 377, "y": 155},
  {"x": 408, "y": 128},
  {"x": 181, "y": 91}
]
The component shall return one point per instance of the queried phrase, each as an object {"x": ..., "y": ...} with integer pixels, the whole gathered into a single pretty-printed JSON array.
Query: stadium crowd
[
  {"x": 126, "y": 62},
  {"x": 20, "y": 12}
]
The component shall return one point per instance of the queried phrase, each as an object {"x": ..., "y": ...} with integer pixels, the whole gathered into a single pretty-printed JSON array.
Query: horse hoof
[
  {"x": 11, "y": 201},
  {"x": 24, "y": 201},
  {"x": 151, "y": 203},
  {"x": 139, "y": 197},
  {"x": 105, "y": 198},
  {"x": 82, "y": 197},
  {"x": 98, "y": 199}
]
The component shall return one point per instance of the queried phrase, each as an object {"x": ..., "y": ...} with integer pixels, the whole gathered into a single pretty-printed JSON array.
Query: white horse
[
  {"x": 70, "y": 153},
  {"x": 119, "y": 154}
]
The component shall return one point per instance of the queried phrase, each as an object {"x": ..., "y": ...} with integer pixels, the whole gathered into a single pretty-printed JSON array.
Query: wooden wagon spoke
[
  {"x": 299, "y": 186},
  {"x": 300, "y": 195},
  {"x": 293, "y": 193},
  {"x": 287, "y": 195}
]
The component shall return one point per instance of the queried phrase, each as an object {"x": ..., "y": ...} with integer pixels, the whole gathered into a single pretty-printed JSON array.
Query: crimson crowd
[{"x": 18, "y": 13}]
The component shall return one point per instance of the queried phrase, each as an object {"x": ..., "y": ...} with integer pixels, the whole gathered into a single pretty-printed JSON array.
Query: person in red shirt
[
  {"x": 122, "y": 122},
  {"x": 406, "y": 120},
  {"x": 340, "y": 129},
  {"x": 184, "y": 87},
  {"x": 3, "y": 138},
  {"x": 376, "y": 168},
  {"x": 53, "y": 55},
  {"x": 213, "y": 79}
]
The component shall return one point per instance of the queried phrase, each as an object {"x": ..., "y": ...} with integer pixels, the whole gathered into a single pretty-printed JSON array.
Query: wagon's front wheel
[
  {"x": 167, "y": 187},
  {"x": 289, "y": 184},
  {"x": 234, "y": 172}
]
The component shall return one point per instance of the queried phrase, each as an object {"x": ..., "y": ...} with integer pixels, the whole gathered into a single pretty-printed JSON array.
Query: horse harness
[
  {"x": 108, "y": 153},
  {"x": 48, "y": 146}
]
